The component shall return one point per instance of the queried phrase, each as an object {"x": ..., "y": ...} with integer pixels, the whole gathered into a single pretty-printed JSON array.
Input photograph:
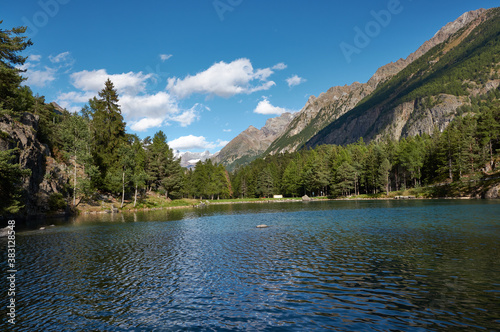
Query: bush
[{"x": 56, "y": 202}]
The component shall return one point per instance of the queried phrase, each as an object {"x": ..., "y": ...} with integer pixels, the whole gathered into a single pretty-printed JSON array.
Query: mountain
[
  {"x": 252, "y": 142},
  {"x": 337, "y": 101},
  {"x": 431, "y": 90},
  {"x": 316, "y": 123},
  {"x": 189, "y": 159}
]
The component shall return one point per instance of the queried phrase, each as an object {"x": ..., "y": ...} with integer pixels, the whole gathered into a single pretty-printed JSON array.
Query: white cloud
[
  {"x": 265, "y": 107},
  {"x": 75, "y": 97},
  {"x": 141, "y": 111},
  {"x": 165, "y": 57},
  {"x": 34, "y": 57},
  {"x": 153, "y": 108},
  {"x": 40, "y": 78},
  {"x": 279, "y": 66},
  {"x": 295, "y": 80},
  {"x": 159, "y": 104},
  {"x": 126, "y": 83},
  {"x": 192, "y": 142},
  {"x": 227, "y": 130},
  {"x": 186, "y": 117},
  {"x": 223, "y": 80},
  {"x": 61, "y": 57},
  {"x": 146, "y": 123}
]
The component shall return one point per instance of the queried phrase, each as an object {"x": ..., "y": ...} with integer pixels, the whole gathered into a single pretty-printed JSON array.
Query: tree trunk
[
  {"x": 135, "y": 196},
  {"x": 450, "y": 169},
  {"x": 492, "y": 163},
  {"x": 74, "y": 186},
  {"x": 123, "y": 188}
]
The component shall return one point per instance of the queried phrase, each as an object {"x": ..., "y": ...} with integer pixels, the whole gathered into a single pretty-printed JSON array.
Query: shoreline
[{"x": 206, "y": 203}]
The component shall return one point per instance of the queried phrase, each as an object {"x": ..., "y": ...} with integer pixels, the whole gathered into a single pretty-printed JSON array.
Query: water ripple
[{"x": 378, "y": 267}]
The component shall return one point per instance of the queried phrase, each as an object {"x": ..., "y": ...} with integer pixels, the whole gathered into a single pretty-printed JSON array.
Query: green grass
[{"x": 159, "y": 202}]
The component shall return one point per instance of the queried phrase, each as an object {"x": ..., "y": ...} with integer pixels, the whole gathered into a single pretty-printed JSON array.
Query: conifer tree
[
  {"x": 108, "y": 129},
  {"x": 12, "y": 42}
]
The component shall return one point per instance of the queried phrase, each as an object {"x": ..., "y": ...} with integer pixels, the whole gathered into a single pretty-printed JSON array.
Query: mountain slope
[
  {"x": 428, "y": 91},
  {"x": 328, "y": 107},
  {"x": 252, "y": 142}
]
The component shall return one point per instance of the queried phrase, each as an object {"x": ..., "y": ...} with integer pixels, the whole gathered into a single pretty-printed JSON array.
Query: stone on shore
[{"x": 306, "y": 198}]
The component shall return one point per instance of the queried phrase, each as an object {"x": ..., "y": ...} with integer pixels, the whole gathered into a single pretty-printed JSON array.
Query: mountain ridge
[
  {"x": 320, "y": 112},
  {"x": 429, "y": 90}
]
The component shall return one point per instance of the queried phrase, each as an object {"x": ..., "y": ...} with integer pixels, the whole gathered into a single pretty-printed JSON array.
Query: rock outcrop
[{"x": 47, "y": 176}]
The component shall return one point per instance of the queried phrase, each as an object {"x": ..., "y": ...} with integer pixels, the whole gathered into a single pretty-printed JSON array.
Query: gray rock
[{"x": 493, "y": 192}]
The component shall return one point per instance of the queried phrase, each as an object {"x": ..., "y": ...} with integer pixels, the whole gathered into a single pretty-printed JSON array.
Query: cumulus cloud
[
  {"x": 187, "y": 117},
  {"x": 35, "y": 76},
  {"x": 265, "y": 107},
  {"x": 295, "y": 80},
  {"x": 146, "y": 123},
  {"x": 165, "y": 57},
  {"x": 126, "y": 83},
  {"x": 40, "y": 78},
  {"x": 223, "y": 80},
  {"x": 192, "y": 142},
  {"x": 156, "y": 110}
]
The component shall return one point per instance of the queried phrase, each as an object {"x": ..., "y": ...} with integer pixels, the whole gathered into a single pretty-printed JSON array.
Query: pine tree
[
  {"x": 11, "y": 44},
  {"x": 290, "y": 180},
  {"x": 108, "y": 129}
]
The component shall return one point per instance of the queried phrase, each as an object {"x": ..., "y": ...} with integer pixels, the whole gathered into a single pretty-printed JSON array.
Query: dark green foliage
[
  {"x": 56, "y": 202},
  {"x": 108, "y": 132},
  {"x": 208, "y": 180},
  {"x": 11, "y": 179},
  {"x": 11, "y": 44}
]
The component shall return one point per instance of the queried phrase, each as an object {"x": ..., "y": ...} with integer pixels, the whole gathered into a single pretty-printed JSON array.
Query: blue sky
[{"x": 203, "y": 71}]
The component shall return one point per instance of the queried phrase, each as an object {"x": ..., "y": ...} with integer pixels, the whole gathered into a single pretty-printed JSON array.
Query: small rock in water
[
  {"x": 42, "y": 228},
  {"x": 262, "y": 226}
]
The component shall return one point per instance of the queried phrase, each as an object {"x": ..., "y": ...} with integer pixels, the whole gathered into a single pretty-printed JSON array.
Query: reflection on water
[{"x": 346, "y": 266}]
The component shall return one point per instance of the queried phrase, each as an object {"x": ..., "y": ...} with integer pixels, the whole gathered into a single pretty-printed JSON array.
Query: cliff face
[
  {"x": 34, "y": 156},
  {"x": 252, "y": 142},
  {"x": 426, "y": 93}
]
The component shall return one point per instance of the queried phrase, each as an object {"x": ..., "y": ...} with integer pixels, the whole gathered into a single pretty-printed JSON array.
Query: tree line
[{"x": 463, "y": 151}]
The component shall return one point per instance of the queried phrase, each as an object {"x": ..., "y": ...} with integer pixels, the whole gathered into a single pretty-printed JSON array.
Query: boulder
[
  {"x": 493, "y": 192},
  {"x": 306, "y": 198}
]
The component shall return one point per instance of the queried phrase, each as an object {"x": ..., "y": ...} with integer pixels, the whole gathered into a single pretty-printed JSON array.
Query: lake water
[{"x": 340, "y": 265}]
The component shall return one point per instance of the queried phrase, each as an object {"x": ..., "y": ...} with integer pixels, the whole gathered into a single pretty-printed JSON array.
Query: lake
[{"x": 416, "y": 265}]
